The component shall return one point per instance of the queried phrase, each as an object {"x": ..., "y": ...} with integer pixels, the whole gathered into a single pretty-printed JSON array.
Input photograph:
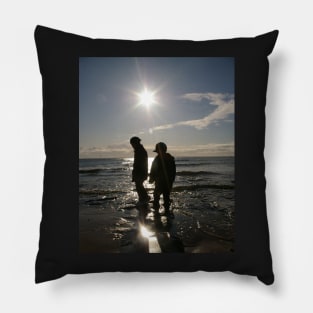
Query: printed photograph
[{"x": 156, "y": 155}]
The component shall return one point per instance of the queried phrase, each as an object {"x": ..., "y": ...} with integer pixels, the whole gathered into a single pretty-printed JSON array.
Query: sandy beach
[{"x": 105, "y": 228}]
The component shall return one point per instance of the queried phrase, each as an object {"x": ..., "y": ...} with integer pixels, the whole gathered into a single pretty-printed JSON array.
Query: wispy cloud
[
  {"x": 214, "y": 98},
  {"x": 122, "y": 150},
  {"x": 211, "y": 149},
  {"x": 224, "y": 107}
]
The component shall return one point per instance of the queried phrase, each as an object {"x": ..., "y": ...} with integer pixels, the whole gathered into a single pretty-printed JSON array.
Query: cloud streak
[
  {"x": 211, "y": 149},
  {"x": 113, "y": 150},
  {"x": 224, "y": 107}
]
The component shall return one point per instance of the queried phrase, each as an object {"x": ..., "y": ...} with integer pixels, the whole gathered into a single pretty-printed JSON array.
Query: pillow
[{"x": 197, "y": 105}]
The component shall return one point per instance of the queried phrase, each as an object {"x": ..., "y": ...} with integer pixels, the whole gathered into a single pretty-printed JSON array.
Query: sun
[{"x": 146, "y": 98}]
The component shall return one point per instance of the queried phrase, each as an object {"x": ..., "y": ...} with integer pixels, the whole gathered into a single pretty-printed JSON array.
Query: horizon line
[{"x": 180, "y": 156}]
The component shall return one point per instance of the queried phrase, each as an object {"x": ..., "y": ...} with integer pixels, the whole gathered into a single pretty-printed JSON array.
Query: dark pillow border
[{"x": 58, "y": 54}]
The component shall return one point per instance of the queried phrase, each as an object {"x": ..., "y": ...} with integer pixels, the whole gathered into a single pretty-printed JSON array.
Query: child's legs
[
  {"x": 156, "y": 197},
  {"x": 166, "y": 198}
]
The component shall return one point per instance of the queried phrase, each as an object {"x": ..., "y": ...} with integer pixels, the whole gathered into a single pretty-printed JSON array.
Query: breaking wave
[
  {"x": 191, "y": 173},
  {"x": 99, "y": 170},
  {"x": 175, "y": 189}
]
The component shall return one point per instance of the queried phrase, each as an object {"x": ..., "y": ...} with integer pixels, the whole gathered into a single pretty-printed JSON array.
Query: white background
[{"x": 288, "y": 155}]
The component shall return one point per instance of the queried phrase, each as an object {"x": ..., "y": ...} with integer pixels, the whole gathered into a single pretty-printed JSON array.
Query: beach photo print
[{"x": 156, "y": 155}]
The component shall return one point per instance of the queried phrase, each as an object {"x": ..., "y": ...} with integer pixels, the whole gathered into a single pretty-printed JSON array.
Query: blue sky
[{"x": 192, "y": 109}]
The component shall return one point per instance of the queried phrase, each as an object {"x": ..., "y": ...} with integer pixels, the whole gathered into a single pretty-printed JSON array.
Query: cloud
[
  {"x": 214, "y": 98},
  {"x": 211, "y": 149},
  {"x": 114, "y": 150},
  {"x": 162, "y": 127},
  {"x": 224, "y": 107},
  {"x": 118, "y": 146}
]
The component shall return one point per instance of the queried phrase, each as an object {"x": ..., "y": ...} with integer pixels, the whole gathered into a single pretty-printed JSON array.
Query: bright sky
[{"x": 188, "y": 103}]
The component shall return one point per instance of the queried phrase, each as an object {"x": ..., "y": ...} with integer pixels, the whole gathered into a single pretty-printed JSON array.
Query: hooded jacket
[{"x": 163, "y": 170}]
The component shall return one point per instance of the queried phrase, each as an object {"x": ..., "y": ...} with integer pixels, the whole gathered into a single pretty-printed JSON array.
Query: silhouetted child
[{"x": 163, "y": 173}]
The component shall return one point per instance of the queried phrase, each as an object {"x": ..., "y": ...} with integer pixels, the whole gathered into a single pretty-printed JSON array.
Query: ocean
[{"x": 203, "y": 203}]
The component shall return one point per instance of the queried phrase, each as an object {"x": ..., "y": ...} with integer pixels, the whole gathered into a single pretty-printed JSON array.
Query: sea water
[{"x": 112, "y": 177}]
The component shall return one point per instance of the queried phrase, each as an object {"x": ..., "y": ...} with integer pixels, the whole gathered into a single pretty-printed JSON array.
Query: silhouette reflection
[{"x": 155, "y": 233}]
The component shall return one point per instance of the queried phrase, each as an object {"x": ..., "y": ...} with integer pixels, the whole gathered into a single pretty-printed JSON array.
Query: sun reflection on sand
[
  {"x": 145, "y": 232},
  {"x": 153, "y": 245}
]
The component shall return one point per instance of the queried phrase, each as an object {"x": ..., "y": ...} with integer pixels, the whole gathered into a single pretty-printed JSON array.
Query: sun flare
[
  {"x": 146, "y": 98},
  {"x": 145, "y": 232}
]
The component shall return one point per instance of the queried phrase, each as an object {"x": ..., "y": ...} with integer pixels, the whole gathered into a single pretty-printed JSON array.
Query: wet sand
[{"x": 131, "y": 229}]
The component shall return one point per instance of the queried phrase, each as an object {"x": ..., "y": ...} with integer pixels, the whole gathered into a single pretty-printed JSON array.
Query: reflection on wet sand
[
  {"x": 153, "y": 233},
  {"x": 137, "y": 229}
]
